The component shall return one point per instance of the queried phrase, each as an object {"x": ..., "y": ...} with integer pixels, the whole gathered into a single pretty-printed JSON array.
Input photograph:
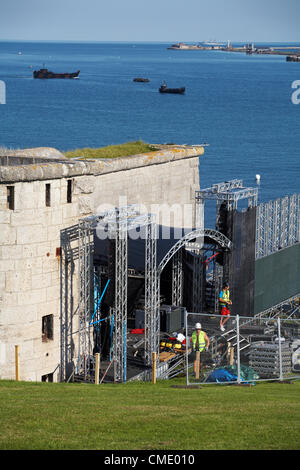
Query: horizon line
[{"x": 77, "y": 41}]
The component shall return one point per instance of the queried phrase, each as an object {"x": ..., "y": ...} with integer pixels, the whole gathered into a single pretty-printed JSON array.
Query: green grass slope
[
  {"x": 112, "y": 151},
  {"x": 143, "y": 416}
]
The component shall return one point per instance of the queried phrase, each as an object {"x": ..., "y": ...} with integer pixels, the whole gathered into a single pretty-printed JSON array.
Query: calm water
[{"x": 240, "y": 105}]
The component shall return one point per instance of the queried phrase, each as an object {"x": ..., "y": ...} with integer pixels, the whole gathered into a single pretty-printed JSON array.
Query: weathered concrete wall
[
  {"x": 30, "y": 236},
  {"x": 156, "y": 188},
  {"x": 29, "y": 275}
]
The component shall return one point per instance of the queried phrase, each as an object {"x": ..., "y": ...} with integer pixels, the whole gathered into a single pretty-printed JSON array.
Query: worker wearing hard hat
[{"x": 200, "y": 342}]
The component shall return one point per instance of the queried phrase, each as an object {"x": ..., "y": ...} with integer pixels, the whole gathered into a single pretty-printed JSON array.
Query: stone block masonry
[{"x": 31, "y": 220}]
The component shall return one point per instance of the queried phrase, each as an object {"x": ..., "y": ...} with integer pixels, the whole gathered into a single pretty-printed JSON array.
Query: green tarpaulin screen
[{"x": 277, "y": 278}]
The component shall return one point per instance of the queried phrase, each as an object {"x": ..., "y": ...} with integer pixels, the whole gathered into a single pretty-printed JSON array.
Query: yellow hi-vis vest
[
  {"x": 202, "y": 343},
  {"x": 225, "y": 296}
]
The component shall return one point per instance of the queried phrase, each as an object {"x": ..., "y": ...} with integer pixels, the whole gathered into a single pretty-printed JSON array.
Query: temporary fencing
[{"x": 249, "y": 350}]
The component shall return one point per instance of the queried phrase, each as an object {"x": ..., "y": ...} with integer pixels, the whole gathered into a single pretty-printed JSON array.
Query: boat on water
[
  {"x": 45, "y": 73},
  {"x": 293, "y": 58},
  {"x": 164, "y": 89},
  {"x": 140, "y": 79}
]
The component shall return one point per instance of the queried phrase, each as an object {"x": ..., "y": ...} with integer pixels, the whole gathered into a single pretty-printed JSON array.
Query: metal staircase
[{"x": 231, "y": 337}]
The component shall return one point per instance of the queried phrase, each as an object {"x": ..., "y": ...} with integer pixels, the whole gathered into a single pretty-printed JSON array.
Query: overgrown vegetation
[
  {"x": 145, "y": 416},
  {"x": 112, "y": 151}
]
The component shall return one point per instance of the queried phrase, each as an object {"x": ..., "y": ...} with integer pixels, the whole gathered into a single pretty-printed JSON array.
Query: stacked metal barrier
[
  {"x": 255, "y": 355},
  {"x": 265, "y": 359}
]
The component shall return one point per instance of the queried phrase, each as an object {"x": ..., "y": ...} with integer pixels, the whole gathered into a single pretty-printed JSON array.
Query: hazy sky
[{"x": 150, "y": 20}]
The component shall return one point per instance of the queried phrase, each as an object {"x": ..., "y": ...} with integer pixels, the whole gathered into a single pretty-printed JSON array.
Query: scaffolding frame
[
  {"x": 68, "y": 256},
  {"x": 198, "y": 281},
  {"x": 116, "y": 225},
  {"x": 228, "y": 191},
  {"x": 86, "y": 290},
  {"x": 278, "y": 310},
  {"x": 277, "y": 225},
  {"x": 175, "y": 254},
  {"x": 152, "y": 297},
  {"x": 218, "y": 237},
  {"x": 177, "y": 279}
]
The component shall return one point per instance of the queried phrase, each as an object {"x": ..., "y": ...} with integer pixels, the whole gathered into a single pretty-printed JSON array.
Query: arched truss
[{"x": 218, "y": 237}]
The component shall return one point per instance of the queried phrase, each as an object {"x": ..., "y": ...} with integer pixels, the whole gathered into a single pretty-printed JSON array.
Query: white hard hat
[
  {"x": 180, "y": 337},
  {"x": 198, "y": 326}
]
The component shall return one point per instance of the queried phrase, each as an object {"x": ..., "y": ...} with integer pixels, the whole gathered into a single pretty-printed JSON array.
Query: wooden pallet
[{"x": 165, "y": 356}]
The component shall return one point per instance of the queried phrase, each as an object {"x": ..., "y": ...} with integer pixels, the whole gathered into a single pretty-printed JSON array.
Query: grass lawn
[
  {"x": 112, "y": 151},
  {"x": 143, "y": 416}
]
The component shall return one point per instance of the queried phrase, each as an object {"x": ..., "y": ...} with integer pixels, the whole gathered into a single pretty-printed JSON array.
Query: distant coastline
[
  {"x": 269, "y": 48},
  {"x": 191, "y": 43}
]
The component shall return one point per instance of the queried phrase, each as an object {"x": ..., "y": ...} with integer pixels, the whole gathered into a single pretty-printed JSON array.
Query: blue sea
[{"x": 240, "y": 105}]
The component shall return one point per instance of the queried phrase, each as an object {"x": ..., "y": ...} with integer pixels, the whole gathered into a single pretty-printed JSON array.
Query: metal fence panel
[
  {"x": 250, "y": 350},
  {"x": 290, "y": 332}
]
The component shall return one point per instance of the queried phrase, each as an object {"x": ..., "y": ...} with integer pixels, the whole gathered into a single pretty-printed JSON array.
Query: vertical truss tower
[{"x": 116, "y": 225}]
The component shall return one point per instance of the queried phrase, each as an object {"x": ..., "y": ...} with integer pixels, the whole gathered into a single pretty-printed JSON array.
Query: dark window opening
[
  {"x": 47, "y": 328},
  {"x": 47, "y": 378},
  {"x": 69, "y": 191},
  {"x": 11, "y": 197},
  {"x": 48, "y": 195}
]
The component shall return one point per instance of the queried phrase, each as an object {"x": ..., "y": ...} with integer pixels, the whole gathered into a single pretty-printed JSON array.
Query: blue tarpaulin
[
  {"x": 221, "y": 375},
  {"x": 230, "y": 374}
]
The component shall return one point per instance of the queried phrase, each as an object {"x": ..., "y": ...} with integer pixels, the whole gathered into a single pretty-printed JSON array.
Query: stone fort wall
[{"x": 30, "y": 237}]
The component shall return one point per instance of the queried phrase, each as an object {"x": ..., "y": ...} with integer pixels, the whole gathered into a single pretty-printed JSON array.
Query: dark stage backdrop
[
  {"x": 239, "y": 263},
  {"x": 136, "y": 261}
]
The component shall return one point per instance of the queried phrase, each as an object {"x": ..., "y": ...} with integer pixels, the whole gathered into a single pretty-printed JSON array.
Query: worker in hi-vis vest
[
  {"x": 200, "y": 342},
  {"x": 224, "y": 300}
]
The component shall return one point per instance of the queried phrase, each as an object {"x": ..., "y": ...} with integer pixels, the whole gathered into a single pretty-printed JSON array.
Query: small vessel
[
  {"x": 164, "y": 89},
  {"x": 293, "y": 58},
  {"x": 140, "y": 79},
  {"x": 45, "y": 73}
]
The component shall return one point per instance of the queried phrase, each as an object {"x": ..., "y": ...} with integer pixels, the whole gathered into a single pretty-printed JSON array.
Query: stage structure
[
  {"x": 201, "y": 260},
  {"x": 194, "y": 249},
  {"x": 265, "y": 239},
  {"x": 114, "y": 225},
  {"x": 239, "y": 226},
  {"x": 80, "y": 325},
  {"x": 229, "y": 192}
]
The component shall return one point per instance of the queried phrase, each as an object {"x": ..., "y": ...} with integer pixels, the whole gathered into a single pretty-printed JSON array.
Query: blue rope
[
  {"x": 111, "y": 334},
  {"x": 98, "y": 321},
  {"x": 96, "y": 309}
]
